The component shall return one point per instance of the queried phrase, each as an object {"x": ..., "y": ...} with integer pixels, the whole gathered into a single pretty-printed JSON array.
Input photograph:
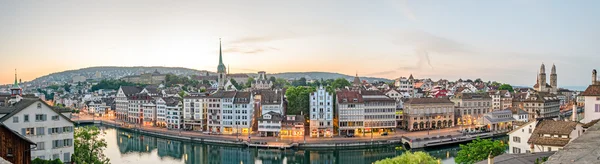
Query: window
[
  {"x": 40, "y": 146},
  {"x": 597, "y": 110},
  {"x": 55, "y": 156},
  {"x": 67, "y": 157},
  {"x": 517, "y": 139},
  {"x": 516, "y": 150},
  {"x": 55, "y": 118},
  {"x": 26, "y": 118},
  {"x": 16, "y": 119},
  {"x": 39, "y": 131},
  {"x": 549, "y": 148},
  {"x": 40, "y": 117},
  {"x": 39, "y": 105},
  {"x": 28, "y": 131}
]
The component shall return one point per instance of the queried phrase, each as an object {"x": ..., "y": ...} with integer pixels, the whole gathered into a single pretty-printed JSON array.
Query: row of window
[
  {"x": 66, "y": 157},
  {"x": 40, "y": 131},
  {"x": 370, "y": 117},
  {"x": 388, "y": 110},
  {"x": 38, "y": 118}
]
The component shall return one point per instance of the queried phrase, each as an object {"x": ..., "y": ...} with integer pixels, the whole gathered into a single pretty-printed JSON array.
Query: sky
[{"x": 503, "y": 41}]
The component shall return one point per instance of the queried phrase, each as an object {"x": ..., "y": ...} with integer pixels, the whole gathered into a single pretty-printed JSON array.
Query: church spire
[
  {"x": 15, "y": 84},
  {"x": 221, "y": 68}
]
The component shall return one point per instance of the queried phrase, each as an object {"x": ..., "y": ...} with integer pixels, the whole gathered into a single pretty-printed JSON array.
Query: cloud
[
  {"x": 249, "y": 50},
  {"x": 381, "y": 73},
  {"x": 431, "y": 43}
]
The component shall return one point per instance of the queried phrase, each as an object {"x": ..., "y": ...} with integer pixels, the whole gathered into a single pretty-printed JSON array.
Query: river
[{"x": 125, "y": 147}]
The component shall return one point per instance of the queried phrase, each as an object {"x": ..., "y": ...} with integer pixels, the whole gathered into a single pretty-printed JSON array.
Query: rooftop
[
  {"x": 584, "y": 149},
  {"x": 523, "y": 158},
  {"x": 592, "y": 90}
]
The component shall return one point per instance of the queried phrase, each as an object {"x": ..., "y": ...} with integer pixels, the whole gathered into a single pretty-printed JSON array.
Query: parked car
[
  {"x": 384, "y": 134},
  {"x": 349, "y": 135}
]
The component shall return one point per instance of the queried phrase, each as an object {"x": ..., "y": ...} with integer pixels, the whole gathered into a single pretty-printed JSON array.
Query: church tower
[
  {"x": 553, "y": 79},
  {"x": 16, "y": 90},
  {"x": 221, "y": 70},
  {"x": 542, "y": 79}
]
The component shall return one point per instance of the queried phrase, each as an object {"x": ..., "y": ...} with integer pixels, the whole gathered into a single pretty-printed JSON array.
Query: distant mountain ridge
[{"x": 115, "y": 72}]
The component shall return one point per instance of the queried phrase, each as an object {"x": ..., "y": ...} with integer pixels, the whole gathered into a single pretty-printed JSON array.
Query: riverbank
[{"x": 292, "y": 142}]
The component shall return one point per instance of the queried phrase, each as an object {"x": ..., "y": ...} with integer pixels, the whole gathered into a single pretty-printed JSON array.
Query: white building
[
  {"x": 519, "y": 114},
  {"x": 405, "y": 84},
  {"x": 174, "y": 112},
  {"x": 321, "y": 113},
  {"x": 136, "y": 104},
  {"x": 592, "y": 100},
  {"x": 227, "y": 111},
  {"x": 150, "y": 114},
  {"x": 50, "y": 129},
  {"x": 380, "y": 111},
  {"x": 194, "y": 114},
  {"x": 243, "y": 112},
  {"x": 262, "y": 82},
  {"x": 161, "y": 112},
  {"x": 350, "y": 113},
  {"x": 519, "y": 136},
  {"x": 269, "y": 124},
  {"x": 122, "y": 104}
]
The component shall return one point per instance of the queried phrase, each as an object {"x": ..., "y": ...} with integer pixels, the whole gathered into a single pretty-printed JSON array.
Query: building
[
  {"x": 583, "y": 149},
  {"x": 122, "y": 104},
  {"x": 350, "y": 107},
  {"x": 293, "y": 126},
  {"x": 470, "y": 107},
  {"x": 78, "y": 79},
  {"x": 519, "y": 136},
  {"x": 262, "y": 82},
  {"x": 542, "y": 86},
  {"x": 194, "y": 114},
  {"x": 161, "y": 112},
  {"x": 519, "y": 114},
  {"x": 550, "y": 135},
  {"x": 150, "y": 112},
  {"x": 221, "y": 70},
  {"x": 136, "y": 104},
  {"x": 498, "y": 120},
  {"x": 269, "y": 124},
  {"x": 538, "y": 104},
  {"x": 591, "y": 97},
  {"x": 53, "y": 137},
  {"x": 243, "y": 115},
  {"x": 321, "y": 113},
  {"x": 379, "y": 111},
  {"x": 146, "y": 78},
  {"x": 523, "y": 158},
  {"x": 14, "y": 148},
  {"x": 428, "y": 113},
  {"x": 501, "y": 99},
  {"x": 405, "y": 84},
  {"x": 174, "y": 115}
]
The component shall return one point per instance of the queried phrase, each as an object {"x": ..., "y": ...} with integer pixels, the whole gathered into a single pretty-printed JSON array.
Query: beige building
[
  {"x": 146, "y": 78},
  {"x": 470, "y": 107},
  {"x": 428, "y": 113},
  {"x": 538, "y": 104}
]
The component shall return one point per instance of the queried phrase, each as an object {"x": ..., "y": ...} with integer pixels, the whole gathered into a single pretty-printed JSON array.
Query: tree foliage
[
  {"x": 249, "y": 82},
  {"x": 340, "y": 83},
  {"x": 281, "y": 83},
  {"x": 298, "y": 99},
  {"x": 171, "y": 80},
  {"x": 479, "y": 150},
  {"x": 506, "y": 87},
  {"x": 112, "y": 84},
  {"x": 410, "y": 158},
  {"x": 41, "y": 161},
  {"x": 299, "y": 82},
  {"x": 236, "y": 85},
  {"x": 67, "y": 87},
  {"x": 89, "y": 146}
]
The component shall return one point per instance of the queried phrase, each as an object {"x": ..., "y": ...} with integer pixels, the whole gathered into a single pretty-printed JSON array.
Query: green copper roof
[
  {"x": 221, "y": 68},
  {"x": 16, "y": 84}
]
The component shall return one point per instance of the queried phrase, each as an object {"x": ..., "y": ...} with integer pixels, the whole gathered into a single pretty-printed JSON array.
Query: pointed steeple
[
  {"x": 221, "y": 68},
  {"x": 16, "y": 84},
  {"x": 553, "y": 71}
]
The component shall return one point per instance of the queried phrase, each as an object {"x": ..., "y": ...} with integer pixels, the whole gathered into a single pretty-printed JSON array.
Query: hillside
[{"x": 109, "y": 72}]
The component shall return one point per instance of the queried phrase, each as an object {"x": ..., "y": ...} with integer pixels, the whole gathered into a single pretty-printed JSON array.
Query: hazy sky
[{"x": 501, "y": 40}]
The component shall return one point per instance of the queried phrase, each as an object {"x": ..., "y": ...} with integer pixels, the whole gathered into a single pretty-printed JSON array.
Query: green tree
[
  {"x": 89, "y": 146},
  {"x": 479, "y": 150},
  {"x": 236, "y": 85},
  {"x": 272, "y": 79},
  {"x": 249, "y": 82},
  {"x": 280, "y": 83},
  {"x": 340, "y": 83},
  {"x": 182, "y": 94},
  {"x": 67, "y": 87},
  {"x": 506, "y": 87},
  {"x": 298, "y": 99},
  {"x": 478, "y": 80},
  {"x": 41, "y": 161},
  {"x": 410, "y": 158}
]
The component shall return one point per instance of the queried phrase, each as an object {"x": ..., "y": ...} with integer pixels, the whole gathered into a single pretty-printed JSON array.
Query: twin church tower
[{"x": 541, "y": 85}]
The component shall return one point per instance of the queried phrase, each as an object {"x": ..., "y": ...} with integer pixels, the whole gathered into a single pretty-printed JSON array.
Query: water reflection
[{"x": 136, "y": 148}]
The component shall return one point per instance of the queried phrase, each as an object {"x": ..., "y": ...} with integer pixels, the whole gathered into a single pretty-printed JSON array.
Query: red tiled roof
[
  {"x": 592, "y": 90},
  {"x": 347, "y": 96}
]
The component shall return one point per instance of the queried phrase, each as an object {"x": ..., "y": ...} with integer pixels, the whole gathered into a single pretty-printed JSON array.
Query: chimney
[
  {"x": 594, "y": 77},
  {"x": 490, "y": 158},
  {"x": 574, "y": 115}
]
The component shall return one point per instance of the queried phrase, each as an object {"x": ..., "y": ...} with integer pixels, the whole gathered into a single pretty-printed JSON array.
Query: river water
[{"x": 126, "y": 147}]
